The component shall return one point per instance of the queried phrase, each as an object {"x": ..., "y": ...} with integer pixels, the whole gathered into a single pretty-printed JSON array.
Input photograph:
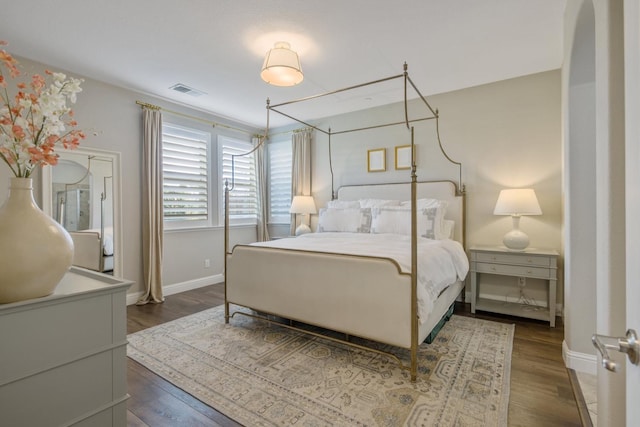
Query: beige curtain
[
  {"x": 300, "y": 168},
  {"x": 152, "y": 214},
  {"x": 261, "y": 181}
]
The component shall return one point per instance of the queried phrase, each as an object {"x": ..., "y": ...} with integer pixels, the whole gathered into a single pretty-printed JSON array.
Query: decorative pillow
[
  {"x": 376, "y": 203},
  {"x": 448, "y": 229},
  {"x": 397, "y": 220},
  {"x": 344, "y": 220},
  {"x": 391, "y": 219},
  {"x": 343, "y": 204},
  {"x": 441, "y": 205}
]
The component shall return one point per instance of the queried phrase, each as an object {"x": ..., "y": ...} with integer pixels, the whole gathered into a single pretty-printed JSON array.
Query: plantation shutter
[
  {"x": 243, "y": 200},
  {"x": 185, "y": 181},
  {"x": 280, "y": 181}
]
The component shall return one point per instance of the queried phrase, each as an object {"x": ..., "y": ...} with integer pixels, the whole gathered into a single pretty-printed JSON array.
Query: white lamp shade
[
  {"x": 517, "y": 201},
  {"x": 302, "y": 205},
  {"x": 282, "y": 66}
]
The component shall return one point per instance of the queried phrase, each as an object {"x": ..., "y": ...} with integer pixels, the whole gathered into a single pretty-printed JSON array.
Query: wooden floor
[{"x": 541, "y": 393}]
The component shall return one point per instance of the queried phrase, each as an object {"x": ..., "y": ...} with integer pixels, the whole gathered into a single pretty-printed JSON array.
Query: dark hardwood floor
[{"x": 541, "y": 393}]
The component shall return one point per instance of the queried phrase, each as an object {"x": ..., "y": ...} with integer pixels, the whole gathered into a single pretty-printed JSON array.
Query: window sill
[{"x": 207, "y": 228}]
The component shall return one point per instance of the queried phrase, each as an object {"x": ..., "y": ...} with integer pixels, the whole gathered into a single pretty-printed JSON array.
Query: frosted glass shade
[{"x": 281, "y": 66}]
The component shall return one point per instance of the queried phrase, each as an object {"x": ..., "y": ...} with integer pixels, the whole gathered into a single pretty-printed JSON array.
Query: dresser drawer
[
  {"x": 520, "y": 259},
  {"x": 516, "y": 270}
]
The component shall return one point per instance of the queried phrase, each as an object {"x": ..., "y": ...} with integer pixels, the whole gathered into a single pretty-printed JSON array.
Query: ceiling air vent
[{"x": 179, "y": 87}]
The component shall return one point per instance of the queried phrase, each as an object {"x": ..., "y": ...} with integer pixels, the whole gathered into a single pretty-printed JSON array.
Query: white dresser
[{"x": 63, "y": 358}]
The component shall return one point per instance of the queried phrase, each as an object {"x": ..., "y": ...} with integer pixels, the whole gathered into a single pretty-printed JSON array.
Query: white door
[{"x": 632, "y": 198}]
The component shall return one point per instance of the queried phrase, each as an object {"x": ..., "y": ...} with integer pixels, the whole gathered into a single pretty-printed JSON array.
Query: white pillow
[
  {"x": 391, "y": 219},
  {"x": 448, "y": 228},
  {"x": 343, "y": 204},
  {"x": 397, "y": 220},
  {"x": 376, "y": 203},
  {"x": 427, "y": 203},
  {"x": 439, "y": 228},
  {"x": 344, "y": 220}
]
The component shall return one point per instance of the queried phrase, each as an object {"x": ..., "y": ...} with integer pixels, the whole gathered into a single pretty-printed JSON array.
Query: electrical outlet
[
  {"x": 522, "y": 281},
  {"x": 207, "y": 263}
]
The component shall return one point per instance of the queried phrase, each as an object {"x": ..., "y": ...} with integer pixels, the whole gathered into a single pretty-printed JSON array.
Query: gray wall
[{"x": 112, "y": 121}]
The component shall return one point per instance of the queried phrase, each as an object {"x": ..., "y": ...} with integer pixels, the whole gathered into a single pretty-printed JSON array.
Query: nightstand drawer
[
  {"x": 515, "y": 270},
  {"x": 521, "y": 259}
]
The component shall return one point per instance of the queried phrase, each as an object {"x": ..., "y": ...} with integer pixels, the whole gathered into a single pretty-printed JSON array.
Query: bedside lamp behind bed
[{"x": 303, "y": 205}]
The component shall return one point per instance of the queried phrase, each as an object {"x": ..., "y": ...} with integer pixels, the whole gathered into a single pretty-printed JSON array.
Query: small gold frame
[
  {"x": 403, "y": 157},
  {"x": 377, "y": 160}
]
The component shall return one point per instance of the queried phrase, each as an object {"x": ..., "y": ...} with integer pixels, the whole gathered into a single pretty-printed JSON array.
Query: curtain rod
[{"x": 199, "y": 119}]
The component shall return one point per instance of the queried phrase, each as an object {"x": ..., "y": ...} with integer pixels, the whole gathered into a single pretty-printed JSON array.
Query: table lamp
[
  {"x": 517, "y": 202},
  {"x": 302, "y": 205}
]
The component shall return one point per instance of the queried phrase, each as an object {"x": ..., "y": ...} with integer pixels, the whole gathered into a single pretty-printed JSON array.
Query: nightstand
[{"x": 530, "y": 263}]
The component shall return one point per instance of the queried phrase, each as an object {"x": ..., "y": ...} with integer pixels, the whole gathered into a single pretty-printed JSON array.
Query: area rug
[{"x": 261, "y": 374}]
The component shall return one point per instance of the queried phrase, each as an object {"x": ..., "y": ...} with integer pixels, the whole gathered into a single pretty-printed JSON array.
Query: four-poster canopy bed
[{"x": 374, "y": 289}]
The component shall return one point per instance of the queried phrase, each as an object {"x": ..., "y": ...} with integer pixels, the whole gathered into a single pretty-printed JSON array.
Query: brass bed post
[
  {"x": 227, "y": 189},
  {"x": 414, "y": 242},
  {"x": 226, "y": 247},
  {"x": 414, "y": 267}
]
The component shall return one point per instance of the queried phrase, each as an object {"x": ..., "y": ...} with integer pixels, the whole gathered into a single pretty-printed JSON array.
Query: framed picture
[
  {"x": 377, "y": 160},
  {"x": 403, "y": 157}
]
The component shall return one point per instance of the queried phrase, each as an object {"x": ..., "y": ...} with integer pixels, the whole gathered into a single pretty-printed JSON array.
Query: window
[
  {"x": 185, "y": 176},
  {"x": 243, "y": 200},
  {"x": 280, "y": 181}
]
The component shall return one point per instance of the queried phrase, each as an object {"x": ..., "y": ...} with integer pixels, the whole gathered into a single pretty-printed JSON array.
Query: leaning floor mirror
[{"x": 82, "y": 193}]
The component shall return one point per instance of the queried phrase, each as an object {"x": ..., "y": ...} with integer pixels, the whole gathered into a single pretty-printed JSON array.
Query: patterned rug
[{"x": 260, "y": 374}]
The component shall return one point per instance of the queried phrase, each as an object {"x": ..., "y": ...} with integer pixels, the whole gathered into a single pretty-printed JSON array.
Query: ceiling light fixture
[{"x": 282, "y": 66}]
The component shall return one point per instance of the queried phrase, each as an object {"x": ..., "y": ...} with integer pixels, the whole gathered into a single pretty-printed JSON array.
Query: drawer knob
[
  {"x": 493, "y": 269},
  {"x": 529, "y": 271}
]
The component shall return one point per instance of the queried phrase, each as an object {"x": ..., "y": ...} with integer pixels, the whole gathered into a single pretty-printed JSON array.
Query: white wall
[
  {"x": 579, "y": 100},
  {"x": 506, "y": 134}
]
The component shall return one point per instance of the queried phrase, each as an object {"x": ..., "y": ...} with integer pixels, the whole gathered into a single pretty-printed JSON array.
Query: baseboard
[
  {"x": 181, "y": 287},
  {"x": 581, "y": 362}
]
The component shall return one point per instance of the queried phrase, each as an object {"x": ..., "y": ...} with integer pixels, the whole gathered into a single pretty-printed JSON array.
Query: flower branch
[{"x": 37, "y": 119}]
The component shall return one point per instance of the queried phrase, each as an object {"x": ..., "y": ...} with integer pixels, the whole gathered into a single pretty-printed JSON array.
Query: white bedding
[{"x": 440, "y": 262}]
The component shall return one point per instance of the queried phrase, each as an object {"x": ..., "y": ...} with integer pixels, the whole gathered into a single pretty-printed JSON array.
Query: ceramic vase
[{"x": 35, "y": 251}]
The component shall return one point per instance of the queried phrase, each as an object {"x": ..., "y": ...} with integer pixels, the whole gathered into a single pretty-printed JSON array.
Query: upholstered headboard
[{"x": 441, "y": 190}]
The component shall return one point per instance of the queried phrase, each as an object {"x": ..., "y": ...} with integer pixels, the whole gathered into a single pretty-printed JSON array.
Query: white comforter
[{"x": 440, "y": 262}]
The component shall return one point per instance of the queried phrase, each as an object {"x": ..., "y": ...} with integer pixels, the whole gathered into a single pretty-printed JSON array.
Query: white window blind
[
  {"x": 280, "y": 181},
  {"x": 243, "y": 200},
  {"x": 185, "y": 178}
]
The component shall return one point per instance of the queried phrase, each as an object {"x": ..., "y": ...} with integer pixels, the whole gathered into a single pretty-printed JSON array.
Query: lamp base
[
  {"x": 302, "y": 229},
  {"x": 516, "y": 240}
]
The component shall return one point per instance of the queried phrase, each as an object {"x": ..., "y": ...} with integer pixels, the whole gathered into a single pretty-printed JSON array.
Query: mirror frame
[{"x": 114, "y": 156}]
